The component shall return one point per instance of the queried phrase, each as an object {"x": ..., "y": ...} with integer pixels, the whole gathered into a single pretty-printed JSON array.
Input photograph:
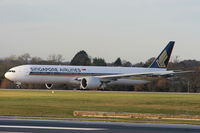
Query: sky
[{"x": 134, "y": 30}]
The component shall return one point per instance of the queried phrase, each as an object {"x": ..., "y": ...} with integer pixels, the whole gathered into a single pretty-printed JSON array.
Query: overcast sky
[{"x": 134, "y": 30}]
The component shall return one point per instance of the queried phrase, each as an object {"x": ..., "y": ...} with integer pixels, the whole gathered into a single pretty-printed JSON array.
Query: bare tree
[
  {"x": 55, "y": 58},
  {"x": 24, "y": 58}
]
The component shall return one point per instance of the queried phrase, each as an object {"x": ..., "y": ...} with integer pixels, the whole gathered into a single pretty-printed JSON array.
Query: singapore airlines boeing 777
[{"x": 90, "y": 77}]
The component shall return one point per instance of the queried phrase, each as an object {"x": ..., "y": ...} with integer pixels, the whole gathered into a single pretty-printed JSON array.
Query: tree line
[{"x": 188, "y": 82}]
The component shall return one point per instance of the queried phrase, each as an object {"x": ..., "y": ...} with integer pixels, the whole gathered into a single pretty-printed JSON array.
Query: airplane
[{"x": 91, "y": 77}]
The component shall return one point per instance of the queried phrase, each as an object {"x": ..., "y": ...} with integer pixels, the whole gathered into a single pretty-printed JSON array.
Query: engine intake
[{"x": 90, "y": 83}]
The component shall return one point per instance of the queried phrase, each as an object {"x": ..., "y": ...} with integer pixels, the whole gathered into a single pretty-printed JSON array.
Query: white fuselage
[{"x": 60, "y": 74}]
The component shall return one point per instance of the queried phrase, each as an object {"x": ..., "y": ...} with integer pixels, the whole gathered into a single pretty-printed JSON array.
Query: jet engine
[
  {"x": 49, "y": 86},
  {"x": 90, "y": 83}
]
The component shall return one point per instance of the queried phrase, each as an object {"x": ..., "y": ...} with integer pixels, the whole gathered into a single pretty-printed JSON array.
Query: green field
[{"x": 63, "y": 103}]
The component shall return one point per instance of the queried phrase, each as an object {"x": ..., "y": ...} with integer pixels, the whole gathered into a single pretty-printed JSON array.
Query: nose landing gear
[{"x": 18, "y": 85}]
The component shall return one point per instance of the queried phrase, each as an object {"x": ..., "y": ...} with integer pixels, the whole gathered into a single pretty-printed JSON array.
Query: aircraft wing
[
  {"x": 158, "y": 73},
  {"x": 179, "y": 72}
]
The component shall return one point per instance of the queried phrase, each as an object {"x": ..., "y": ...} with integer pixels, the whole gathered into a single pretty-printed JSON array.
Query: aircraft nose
[
  {"x": 11, "y": 74},
  {"x": 7, "y": 75}
]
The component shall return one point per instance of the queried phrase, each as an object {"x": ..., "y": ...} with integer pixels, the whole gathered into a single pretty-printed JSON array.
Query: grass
[{"x": 63, "y": 103}]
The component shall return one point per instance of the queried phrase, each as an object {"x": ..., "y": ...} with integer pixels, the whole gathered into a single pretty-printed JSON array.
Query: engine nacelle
[
  {"x": 49, "y": 86},
  {"x": 90, "y": 83}
]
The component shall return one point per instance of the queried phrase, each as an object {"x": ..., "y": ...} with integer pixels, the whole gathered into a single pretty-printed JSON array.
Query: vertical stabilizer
[{"x": 163, "y": 59}]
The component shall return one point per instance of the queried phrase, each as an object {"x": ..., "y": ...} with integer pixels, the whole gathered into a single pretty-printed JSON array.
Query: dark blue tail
[{"x": 163, "y": 59}]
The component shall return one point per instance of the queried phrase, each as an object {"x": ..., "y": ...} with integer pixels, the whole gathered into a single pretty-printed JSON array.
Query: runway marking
[
  {"x": 56, "y": 128},
  {"x": 13, "y": 132}
]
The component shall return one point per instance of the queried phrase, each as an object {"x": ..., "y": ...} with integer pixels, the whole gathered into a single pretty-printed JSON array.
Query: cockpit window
[{"x": 13, "y": 71}]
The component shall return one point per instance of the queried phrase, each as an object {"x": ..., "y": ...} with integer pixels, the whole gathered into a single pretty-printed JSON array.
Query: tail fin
[{"x": 163, "y": 59}]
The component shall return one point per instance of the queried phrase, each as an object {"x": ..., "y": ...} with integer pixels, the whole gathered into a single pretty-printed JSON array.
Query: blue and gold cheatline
[
  {"x": 163, "y": 59},
  {"x": 69, "y": 74}
]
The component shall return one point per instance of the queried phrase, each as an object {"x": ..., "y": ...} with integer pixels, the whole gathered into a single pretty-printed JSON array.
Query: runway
[{"x": 61, "y": 126}]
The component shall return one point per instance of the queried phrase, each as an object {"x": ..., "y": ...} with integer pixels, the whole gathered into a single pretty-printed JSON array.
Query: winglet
[{"x": 163, "y": 59}]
